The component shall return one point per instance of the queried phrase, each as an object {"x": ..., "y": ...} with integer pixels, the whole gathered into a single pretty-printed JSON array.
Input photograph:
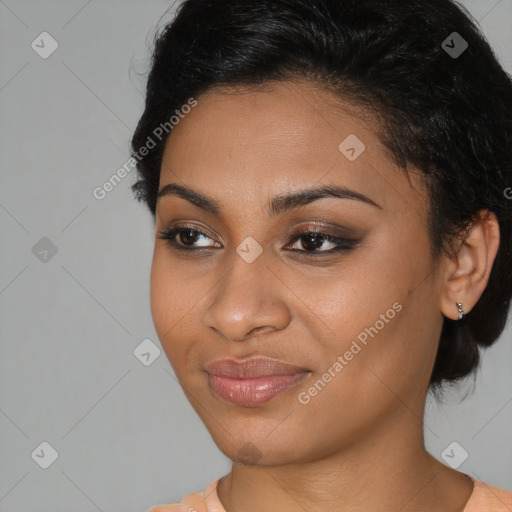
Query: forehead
[
  {"x": 246, "y": 142},
  {"x": 292, "y": 116}
]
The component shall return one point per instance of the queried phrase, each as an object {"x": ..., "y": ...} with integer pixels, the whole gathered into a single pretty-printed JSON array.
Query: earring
[{"x": 461, "y": 311}]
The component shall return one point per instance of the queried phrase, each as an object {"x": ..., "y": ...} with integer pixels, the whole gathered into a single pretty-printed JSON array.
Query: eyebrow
[{"x": 277, "y": 205}]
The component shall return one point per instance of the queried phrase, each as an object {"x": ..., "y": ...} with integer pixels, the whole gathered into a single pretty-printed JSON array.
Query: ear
[{"x": 467, "y": 272}]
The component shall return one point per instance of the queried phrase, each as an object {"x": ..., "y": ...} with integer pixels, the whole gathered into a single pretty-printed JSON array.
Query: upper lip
[{"x": 251, "y": 368}]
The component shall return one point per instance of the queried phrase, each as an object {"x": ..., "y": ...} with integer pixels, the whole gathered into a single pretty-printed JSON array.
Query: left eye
[{"x": 313, "y": 241}]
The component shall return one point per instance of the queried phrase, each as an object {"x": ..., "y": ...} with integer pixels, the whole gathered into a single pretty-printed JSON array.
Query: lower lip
[{"x": 253, "y": 392}]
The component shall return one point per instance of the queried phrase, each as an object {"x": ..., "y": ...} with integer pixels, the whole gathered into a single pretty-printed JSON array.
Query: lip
[
  {"x": 251, "y": 368},
  {"x": 254, "y": 381}
]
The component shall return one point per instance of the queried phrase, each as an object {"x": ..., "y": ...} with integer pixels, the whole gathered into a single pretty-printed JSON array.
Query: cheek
[
  {"x": 353, "y": 295},
  {"x": 170, "y": 301},
  {"x": 378, "y": 313},
  {"x": 161, "y": 292}
]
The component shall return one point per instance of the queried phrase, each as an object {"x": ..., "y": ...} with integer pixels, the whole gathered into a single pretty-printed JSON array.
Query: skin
[{"x": 358, "y": 444}]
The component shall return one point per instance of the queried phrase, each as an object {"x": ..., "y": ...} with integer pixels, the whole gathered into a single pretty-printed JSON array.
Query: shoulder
[
  {"x": 191, "y": 503},
  {"x": 196, "y": 502},
  {"x": 487, "y": 498},
  {"x": 172, "y": 507}
]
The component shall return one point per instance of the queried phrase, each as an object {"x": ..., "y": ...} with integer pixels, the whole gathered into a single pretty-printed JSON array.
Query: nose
[{"x": 249, "y": 300}]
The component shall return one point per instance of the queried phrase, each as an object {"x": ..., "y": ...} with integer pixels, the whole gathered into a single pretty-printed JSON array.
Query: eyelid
[
  {"x": 164, "y": 234},
  {"x": 184, "y": 225},
  {"x": 341, "y": 241},
  {"x": 316, "y": 226},
  {"x": 323, "y": 227}
]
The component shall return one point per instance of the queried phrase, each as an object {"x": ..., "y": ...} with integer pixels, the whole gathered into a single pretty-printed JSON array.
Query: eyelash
[{"x": 343, "y": 244}]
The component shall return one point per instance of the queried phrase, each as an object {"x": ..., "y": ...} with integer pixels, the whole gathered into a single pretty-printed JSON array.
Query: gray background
[{"x": 126, "y": 437}]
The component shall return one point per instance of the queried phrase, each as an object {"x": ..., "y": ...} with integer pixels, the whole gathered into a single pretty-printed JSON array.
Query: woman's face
[{"x": 355, "y": 309}]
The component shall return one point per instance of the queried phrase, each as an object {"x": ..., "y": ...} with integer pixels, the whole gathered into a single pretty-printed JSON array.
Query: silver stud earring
[{"x": 461, "y": 311}]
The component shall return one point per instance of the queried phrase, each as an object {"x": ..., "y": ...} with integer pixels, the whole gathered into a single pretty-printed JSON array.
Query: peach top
[{"x": 485, "y": 498}]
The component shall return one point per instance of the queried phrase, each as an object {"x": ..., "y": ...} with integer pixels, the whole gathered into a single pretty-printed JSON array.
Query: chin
[{"x": 258, "y": 449}]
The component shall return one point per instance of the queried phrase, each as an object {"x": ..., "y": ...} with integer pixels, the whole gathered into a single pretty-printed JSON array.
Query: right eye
[{"x": 187, "y": 236}]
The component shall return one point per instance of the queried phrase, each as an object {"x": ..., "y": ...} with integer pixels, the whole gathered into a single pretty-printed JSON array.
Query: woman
[{"x": 333, "y": 235}]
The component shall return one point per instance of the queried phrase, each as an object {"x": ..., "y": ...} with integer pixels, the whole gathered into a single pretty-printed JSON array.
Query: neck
[{"x": 389, "y": 471}]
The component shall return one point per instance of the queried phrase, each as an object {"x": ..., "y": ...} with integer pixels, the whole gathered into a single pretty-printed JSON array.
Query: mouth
[{"x": 251, "y": 382}]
